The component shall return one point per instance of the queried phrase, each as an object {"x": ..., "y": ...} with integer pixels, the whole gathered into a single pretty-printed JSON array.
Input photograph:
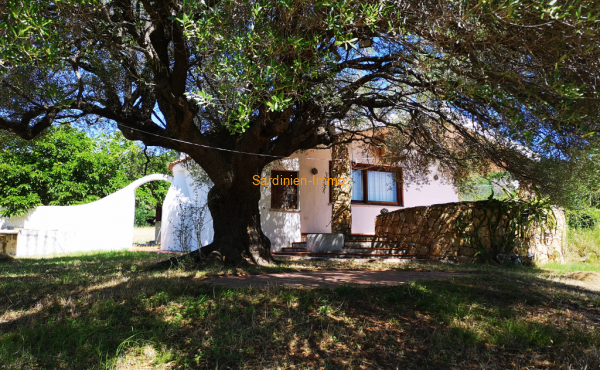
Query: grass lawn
[
  {"x": 107, "y": 310},
  {"x": 142, "y": 235}
]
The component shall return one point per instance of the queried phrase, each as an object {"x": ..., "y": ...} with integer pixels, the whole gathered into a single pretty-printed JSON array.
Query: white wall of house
[{"x": 106, "y": 224}]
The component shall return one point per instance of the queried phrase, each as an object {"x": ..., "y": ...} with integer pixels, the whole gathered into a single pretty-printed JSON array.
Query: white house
[
  {"x": 290, "y": 211},
  {"x": 301, "y": 206}
]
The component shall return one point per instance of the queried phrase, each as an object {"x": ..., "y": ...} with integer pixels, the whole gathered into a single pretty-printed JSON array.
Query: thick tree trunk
[{"x": 237, "y": 226}]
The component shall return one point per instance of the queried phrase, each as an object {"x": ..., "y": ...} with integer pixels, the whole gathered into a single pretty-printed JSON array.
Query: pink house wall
[{"x": 314, "y": 215}]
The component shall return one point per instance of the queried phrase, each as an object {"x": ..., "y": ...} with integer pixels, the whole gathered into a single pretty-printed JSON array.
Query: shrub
[
  {"x": 583, "y": 243},
  {"x": 583, "y": 218}
]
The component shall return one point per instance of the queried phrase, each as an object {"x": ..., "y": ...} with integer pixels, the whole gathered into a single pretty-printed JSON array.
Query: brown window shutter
[{"x": 284, "y": 196}]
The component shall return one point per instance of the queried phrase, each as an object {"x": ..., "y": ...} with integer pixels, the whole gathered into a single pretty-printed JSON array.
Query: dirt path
[{"x": 314, "y": 279}]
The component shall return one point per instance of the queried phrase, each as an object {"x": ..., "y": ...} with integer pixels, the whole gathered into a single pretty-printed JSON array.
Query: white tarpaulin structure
[{"x": 106, "y": 224}]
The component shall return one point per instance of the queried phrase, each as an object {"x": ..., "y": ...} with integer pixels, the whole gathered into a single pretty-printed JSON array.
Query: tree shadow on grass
[{"x": 151, "y": 321}]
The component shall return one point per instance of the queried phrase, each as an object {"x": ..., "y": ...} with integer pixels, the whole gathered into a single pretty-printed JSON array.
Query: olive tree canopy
[{"x": 236, "y": 84}]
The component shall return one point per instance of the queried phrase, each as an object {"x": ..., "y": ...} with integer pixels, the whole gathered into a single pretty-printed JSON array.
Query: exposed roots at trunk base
[{"x": 210, "y": 255}]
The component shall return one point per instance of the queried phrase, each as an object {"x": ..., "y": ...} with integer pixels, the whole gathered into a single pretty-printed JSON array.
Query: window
[
  {"x": 376, "y": 185},
  {"x": 284, "y": 190}
]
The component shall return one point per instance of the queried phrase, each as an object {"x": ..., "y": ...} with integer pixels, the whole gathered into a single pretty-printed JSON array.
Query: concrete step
[
  {"x": 395, "y": 251},
  {"x": 391, "y": 251},
  {"x": 362, "y": 237},
  {"x": 342, "y": 255},
  {"x": 370, "y": 244},
  {"x": 293, "y": 249}
]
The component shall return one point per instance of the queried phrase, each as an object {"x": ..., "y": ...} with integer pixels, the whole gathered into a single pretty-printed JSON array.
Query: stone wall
[
  {"x": 8, "y": 242},
  {"x": 457, "y": 231}
]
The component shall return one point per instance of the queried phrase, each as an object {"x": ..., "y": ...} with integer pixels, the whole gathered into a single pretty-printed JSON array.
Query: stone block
[
  {"x": 486, "y": 242},
  {"x": 424, "y": 250},
  {"x": 436, "y": 249},
  {"x": 463, "y": 259},
  {"x": 469, "y": 252},
  {"x": 324, "y": 242},
  {"x": 8, "y": 243},
  {"x": 483, "y": 232}
]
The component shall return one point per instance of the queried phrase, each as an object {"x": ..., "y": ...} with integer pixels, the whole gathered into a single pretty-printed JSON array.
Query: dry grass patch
[{"x": 585, "y": 276}]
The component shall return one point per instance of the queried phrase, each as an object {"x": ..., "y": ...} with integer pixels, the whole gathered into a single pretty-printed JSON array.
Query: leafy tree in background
[
  {"x": 65, "y": 166},
  {"x": 237, "y": 84}
]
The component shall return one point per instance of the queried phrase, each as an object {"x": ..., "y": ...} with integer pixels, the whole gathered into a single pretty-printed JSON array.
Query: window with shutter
[{"x": 284, "y": 190}]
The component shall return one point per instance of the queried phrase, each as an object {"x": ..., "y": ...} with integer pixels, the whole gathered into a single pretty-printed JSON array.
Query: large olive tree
[{"x": 236, "y": 84}]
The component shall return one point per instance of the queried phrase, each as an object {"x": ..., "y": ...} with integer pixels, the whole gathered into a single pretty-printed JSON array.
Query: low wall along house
[{"x": 458, "y": 231}]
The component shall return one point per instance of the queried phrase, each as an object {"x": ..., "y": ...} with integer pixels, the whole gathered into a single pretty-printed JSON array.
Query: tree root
[{"x": 207, "y": 254}]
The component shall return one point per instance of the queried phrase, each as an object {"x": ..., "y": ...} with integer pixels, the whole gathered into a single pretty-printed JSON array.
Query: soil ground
[{"x": 332, "y": 279}]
